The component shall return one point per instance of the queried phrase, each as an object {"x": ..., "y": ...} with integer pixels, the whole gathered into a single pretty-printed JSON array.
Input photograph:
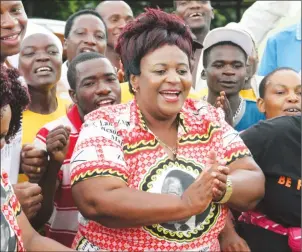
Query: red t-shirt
[{"x": 115, "y": 142}]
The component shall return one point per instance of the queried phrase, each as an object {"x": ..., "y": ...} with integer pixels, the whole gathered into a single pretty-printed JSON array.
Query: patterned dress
[
  {"x": 10, "y": 209},
  {"x": 116, "y": 142}
]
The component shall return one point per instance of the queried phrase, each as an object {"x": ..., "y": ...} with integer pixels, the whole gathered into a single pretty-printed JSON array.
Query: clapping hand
[
  {"x": 223, "y": 103},
  {"x": 198, "y": 195},
  {"x": 219, "y": 172}
]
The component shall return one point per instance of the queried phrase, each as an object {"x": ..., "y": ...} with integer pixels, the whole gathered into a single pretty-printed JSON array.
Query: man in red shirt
[{"x": 94, "y": 83}]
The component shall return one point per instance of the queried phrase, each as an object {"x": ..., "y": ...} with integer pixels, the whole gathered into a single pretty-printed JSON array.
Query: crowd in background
[{"x": 155, "y": 134}]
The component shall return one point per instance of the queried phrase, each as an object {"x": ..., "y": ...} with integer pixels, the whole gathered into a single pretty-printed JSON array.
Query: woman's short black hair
[
  {"x": 70, "y": 20},
  {"x": 14, "y": 94},
  {"x": 265, "y": 80},
  {"x": 151, "y": 30}
]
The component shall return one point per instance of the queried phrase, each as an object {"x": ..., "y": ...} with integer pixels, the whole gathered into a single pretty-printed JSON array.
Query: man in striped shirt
[{"x": 94, "y": 83}]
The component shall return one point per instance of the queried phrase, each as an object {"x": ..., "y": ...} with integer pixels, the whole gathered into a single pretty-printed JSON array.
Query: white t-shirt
[{"x": 10, "y": 157}]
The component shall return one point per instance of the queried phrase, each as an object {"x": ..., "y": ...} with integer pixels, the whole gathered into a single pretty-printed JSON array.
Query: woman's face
[
  {"x": 282, "y": 95},
  {"x": 13, "y": 27},
  {"x": 6, "y": 115},
  {"x": 40, "y": 60},
  {"x": 164, "y": 82}
]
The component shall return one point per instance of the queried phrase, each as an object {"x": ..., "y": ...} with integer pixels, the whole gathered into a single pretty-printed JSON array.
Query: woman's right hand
[
  {"x": 199, "y": 194},
  {"x": 210, "y": 184}
]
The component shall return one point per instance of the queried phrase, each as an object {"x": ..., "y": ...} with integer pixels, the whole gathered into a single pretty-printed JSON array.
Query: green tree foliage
[{"x": 225, "y": 11}]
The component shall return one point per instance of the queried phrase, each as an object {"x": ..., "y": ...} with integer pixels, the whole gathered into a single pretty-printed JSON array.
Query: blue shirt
[
  {"x": 250, "y": 117},
  {"x": 282, "y": 50}
]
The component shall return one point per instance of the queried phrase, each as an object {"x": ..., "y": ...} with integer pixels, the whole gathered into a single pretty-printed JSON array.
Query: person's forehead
[
  {"x": 99, "y": 66},
  {"x": 166, "y": 54},
  {"x": 285, "y": 77},
  {"x": 9, "y": 4},
  {"x": 39, "y": 39},
  {"x": 176, "y": 2},
  {"x": 226, "y": 52},
  {"x": 116, "y": 8},
  {"x": 80, "y": 21}
]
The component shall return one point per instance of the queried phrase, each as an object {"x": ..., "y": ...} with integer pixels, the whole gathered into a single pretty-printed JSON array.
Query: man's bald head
[
  {"x": 104, "y": 5},
  {"x": 116, "y": 15}
]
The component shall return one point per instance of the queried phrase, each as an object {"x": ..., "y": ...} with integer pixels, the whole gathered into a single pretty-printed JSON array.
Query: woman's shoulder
[
  {"x": 202, "y": 110},
  {"x": 111, "y": 113}
]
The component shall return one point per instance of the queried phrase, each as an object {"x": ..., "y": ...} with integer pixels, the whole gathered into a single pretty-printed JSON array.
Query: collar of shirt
[
  {"x": 298, "y": 31},
  {"x": 137, "y": 119},
  {"x": 74, "y": 116}
]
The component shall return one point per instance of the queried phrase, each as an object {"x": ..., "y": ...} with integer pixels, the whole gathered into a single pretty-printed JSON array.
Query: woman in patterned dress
[
  {"x": 16, "y": 232},
  {"x": 158, "y": 173}
]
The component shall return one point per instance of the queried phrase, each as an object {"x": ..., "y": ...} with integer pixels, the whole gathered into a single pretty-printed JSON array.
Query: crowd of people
[{"x": 156, "y": 134}]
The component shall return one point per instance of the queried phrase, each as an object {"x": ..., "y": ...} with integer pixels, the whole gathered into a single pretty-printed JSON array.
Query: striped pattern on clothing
[{"x": 63, "y": 223}]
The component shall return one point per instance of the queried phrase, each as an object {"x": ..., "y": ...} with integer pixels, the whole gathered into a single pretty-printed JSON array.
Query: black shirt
[{"x": 276, "y": 147}]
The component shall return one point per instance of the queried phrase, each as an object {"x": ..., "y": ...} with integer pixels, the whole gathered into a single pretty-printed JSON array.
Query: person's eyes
[
  {"x": 160, "y": 72},
  {"x": 112, "y": 79},
  {"x": 129, "y": 20},
  {"x": 218, "y": 65},
  {"x": 237, "y": 65},
  {"x": 100, "y": 36},
  {"x": 183, "y": 3},
  {"x": 80, "y": 32},
  {"x": 114, "y": 19},
  {"x": 88, "y": 83},
  {"x": 280, "y": 92},
  {"x": 17, "y": 10},
  {"x": 182, "y": 71},
  {"x": 53, "y": 52},
  {"x": 28, "y": 54}
]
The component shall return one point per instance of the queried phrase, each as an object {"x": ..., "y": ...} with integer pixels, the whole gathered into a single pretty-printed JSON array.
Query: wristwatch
[{"x": 228, "y": 192}]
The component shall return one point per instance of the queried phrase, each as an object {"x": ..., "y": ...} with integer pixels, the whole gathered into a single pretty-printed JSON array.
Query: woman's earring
[
  {"x": 203, "y": 75},
  {"x": 134, "y": 90}
]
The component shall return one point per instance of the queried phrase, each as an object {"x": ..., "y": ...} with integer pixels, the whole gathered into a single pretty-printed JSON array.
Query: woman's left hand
[{"x": 219, "y": 171}]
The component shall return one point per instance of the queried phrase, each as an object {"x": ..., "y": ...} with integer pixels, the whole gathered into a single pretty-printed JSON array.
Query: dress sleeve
[
  {"x": 234, "y": 147},
  {"x": 98, "y": 152}
]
